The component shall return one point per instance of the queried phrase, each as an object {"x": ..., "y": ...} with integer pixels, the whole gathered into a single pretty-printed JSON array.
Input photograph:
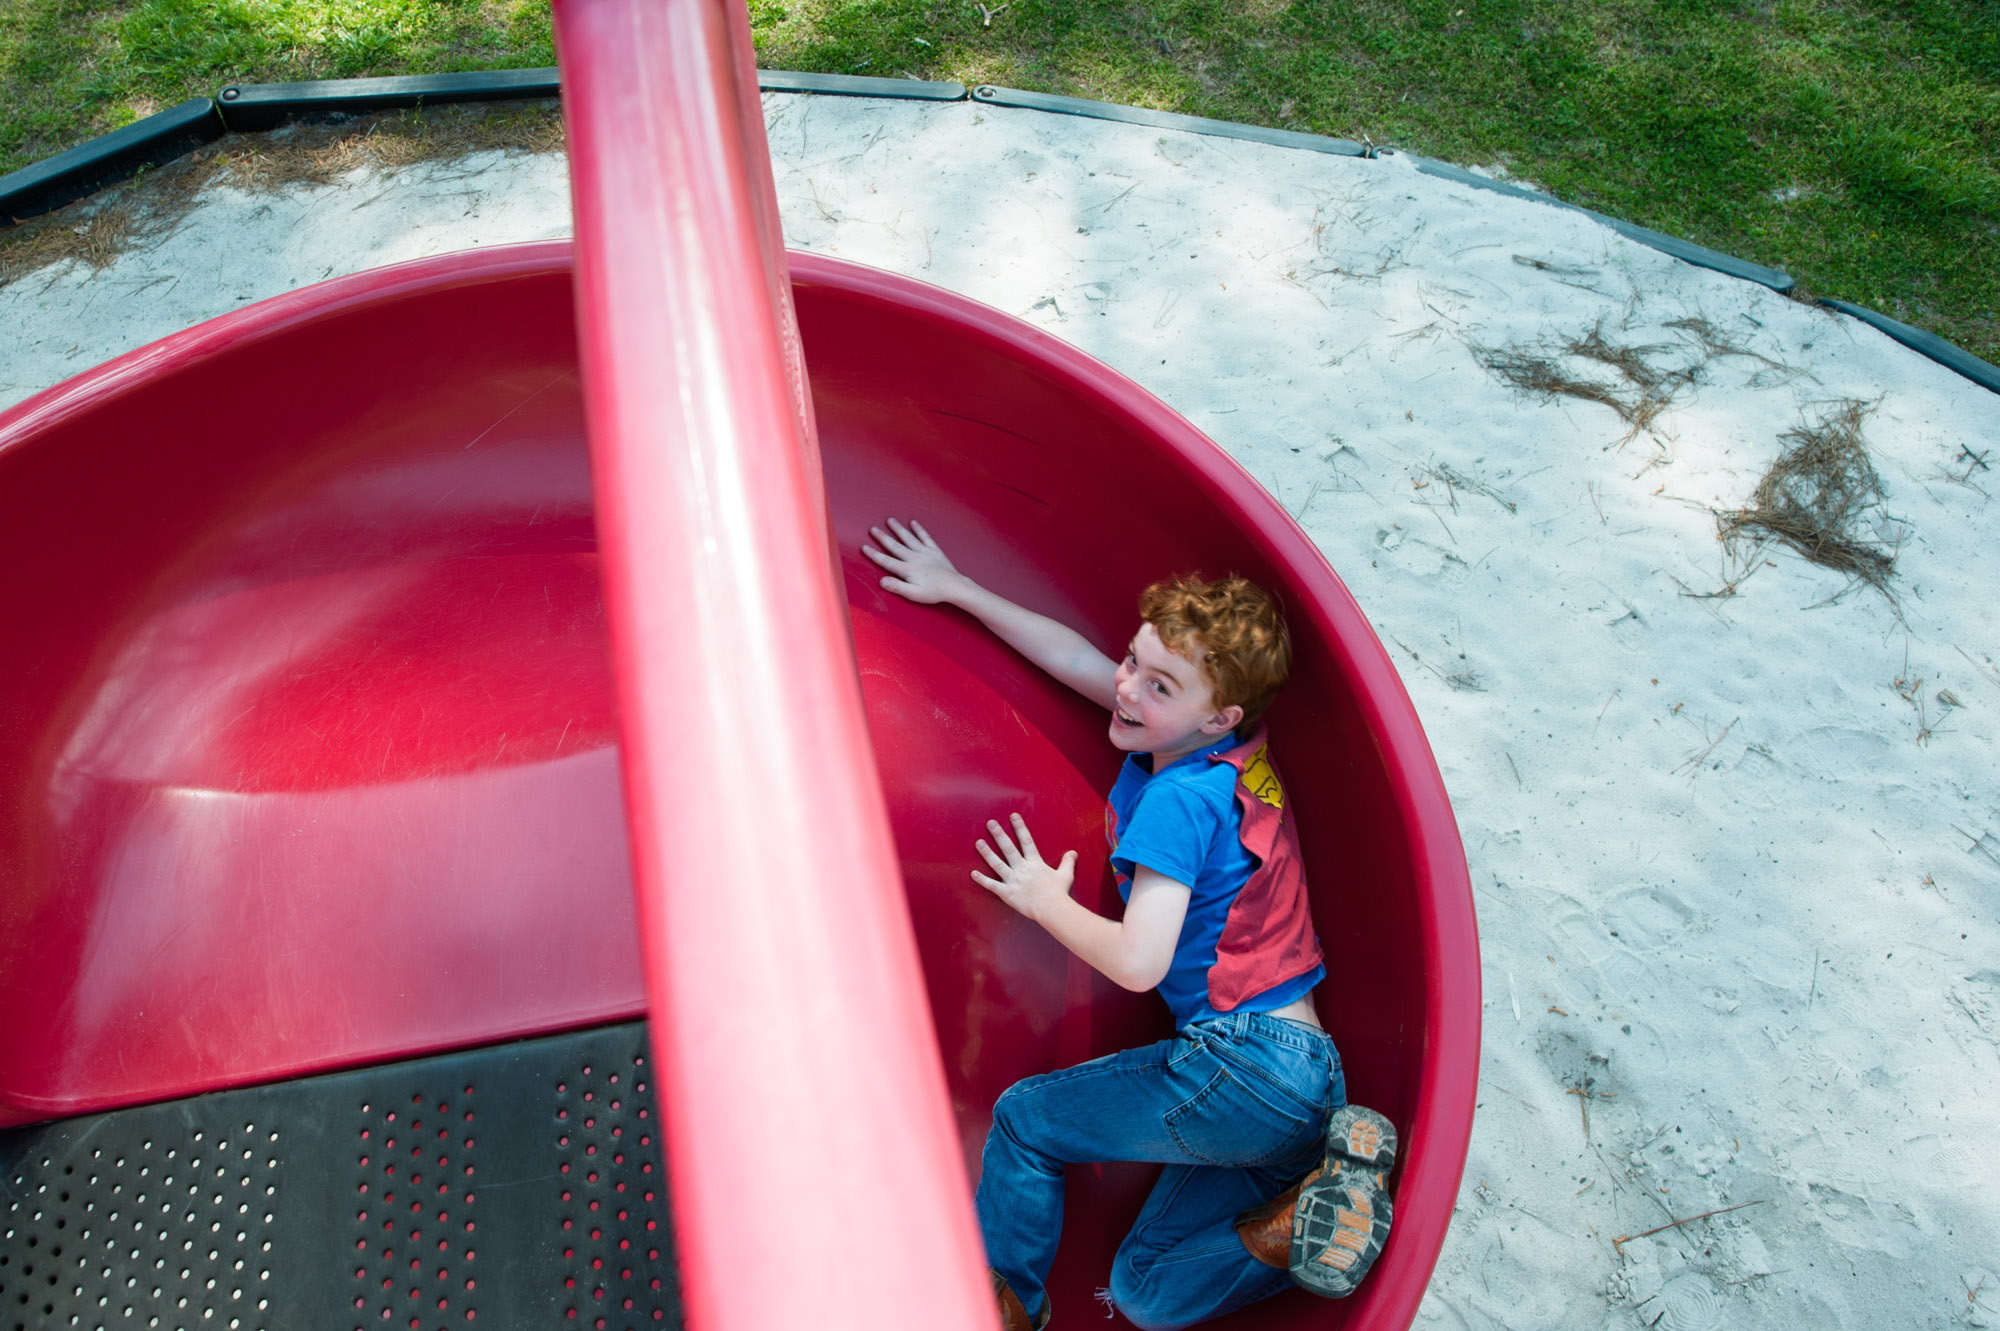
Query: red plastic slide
[{"x": 330, "y": 641}]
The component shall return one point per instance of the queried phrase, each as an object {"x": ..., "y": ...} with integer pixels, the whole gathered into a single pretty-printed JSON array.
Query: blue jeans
[{"x": 1236, "y": 1110}]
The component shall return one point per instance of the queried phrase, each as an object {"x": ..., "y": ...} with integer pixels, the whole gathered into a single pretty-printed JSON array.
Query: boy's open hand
[
  {"x": 918, "y": 568},
  {"x": 1022, "y": 878}
]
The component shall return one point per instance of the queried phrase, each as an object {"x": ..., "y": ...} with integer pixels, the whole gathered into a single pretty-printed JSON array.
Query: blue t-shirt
[{"x": 1183, "y": 822}]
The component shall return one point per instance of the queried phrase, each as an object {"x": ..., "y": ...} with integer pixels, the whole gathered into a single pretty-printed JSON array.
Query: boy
[{"x": 1248, "y": 1095}]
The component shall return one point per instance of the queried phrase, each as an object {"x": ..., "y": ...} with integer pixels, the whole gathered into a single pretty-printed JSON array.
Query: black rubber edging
[
  {"x": 1139, "y": 115},
  {"x": 1777, "y": 279},
  {"x": 256, "y": 107},
  {"x": 848, "y": 85},
  {"x": 260, "y": 106},
  {"x": 88, "y": 167},
  {"x": 1952, "y": 357},
  {"x": 250, "y": 107}
]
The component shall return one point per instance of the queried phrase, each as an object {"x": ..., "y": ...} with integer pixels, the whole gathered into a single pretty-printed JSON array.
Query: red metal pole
[{"x": 816, "y": 1173}]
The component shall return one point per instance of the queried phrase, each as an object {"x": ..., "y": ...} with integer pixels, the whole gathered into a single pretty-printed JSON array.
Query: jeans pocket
[{"x": 1227, "y": 1123}]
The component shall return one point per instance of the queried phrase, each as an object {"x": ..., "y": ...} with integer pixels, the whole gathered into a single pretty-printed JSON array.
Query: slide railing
[{"x": 816, "y": 1173}]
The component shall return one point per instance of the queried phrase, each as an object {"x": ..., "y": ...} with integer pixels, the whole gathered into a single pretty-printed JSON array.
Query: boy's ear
[{"x": 1228, "y": 718}]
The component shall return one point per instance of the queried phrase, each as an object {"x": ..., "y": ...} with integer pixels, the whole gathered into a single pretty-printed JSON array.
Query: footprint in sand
[
  {"x": 1418, "y": 556},
  {"x": 1599, "y": 966},
  {"x": 1648, "y": 917},
  {"x": 1628, "y": 979},
  {"x": 1835, "y": 1164},
  {"x": 1836, "y": 753},
  {"x": 1690, "y": 1303},
  {"x": 1959, "y": 1164}
]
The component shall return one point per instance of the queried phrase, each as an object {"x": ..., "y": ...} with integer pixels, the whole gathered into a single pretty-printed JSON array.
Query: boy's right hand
[
  {"x": 918, "y": 569},
  {"x": 1021, "y": 877}
]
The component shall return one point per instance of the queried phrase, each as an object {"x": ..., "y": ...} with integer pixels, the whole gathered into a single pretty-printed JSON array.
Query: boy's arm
[
  {"x": 919, "y": 571},
  {"x": 1134, "y": 953}
]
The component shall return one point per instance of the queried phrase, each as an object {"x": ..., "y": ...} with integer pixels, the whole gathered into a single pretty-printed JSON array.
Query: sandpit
[{"x": 1730, "y": 812}]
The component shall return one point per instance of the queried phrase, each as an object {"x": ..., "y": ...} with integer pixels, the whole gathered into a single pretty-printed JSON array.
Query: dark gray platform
[{"x": 515, "y": 1186}]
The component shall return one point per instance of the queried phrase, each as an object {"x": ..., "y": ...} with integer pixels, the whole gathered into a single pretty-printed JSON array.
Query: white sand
[{"x": 1737, "y": 859}]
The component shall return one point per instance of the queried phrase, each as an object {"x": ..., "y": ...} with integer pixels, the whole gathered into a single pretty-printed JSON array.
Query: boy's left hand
[{"x": 1022, "y": 878}]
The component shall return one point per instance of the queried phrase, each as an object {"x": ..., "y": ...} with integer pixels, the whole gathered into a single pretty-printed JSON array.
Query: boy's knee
[
  {"x": 1018, "y": 1133},
  {"x": 1011, "y": 1115},
  {"x": 1131, "y": 1304},
  {"x": 1132, "y": 1294}
]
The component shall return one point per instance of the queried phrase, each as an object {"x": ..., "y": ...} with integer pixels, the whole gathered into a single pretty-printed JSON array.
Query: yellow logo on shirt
[{"x": 1262, "y": 779}]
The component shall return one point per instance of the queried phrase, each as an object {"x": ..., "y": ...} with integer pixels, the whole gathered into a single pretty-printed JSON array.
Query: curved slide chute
[{"x": 349, "y": 699}]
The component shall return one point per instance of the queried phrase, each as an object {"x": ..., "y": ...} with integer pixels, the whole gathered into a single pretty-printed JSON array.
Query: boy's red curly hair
[{"x": 1233, "y": 629}]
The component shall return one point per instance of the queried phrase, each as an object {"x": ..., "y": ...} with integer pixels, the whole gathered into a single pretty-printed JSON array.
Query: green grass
[
  {"x": 1855, "y": 143},
  {"x": 76, "y": 68}
]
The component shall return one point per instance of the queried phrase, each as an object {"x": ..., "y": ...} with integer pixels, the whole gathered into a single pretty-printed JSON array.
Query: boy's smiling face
[{"x": 1165, "y": 704}]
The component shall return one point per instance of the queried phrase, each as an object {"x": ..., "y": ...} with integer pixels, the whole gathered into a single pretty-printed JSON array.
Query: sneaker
[
  {"x": 1340, "y": 1220},
  {"x": 1014, "y": 1317}
]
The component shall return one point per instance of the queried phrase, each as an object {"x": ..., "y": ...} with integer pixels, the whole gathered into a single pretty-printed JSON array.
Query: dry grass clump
[
  {"x": 92, "y": 236},
  {"x": 1639, "y": 394},
  {"x": 1716, "y": 343},
  {"x": 1630, "y": 362},
  {"x": 318, "y": 154},
  {"x": 1647, "y": 378},
  {"x": 1817, "y": 496},
  {"x": 1534, "y": 372},
  {"x": 145, "y": 210}
]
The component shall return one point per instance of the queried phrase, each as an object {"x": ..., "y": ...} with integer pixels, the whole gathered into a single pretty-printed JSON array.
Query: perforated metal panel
[
  {"x": 169, "y": 1227},
  {"x": 414, "y": 1199},
  {"x": 614, "y": 1216},
  {"x": 515, "y": 1186}
]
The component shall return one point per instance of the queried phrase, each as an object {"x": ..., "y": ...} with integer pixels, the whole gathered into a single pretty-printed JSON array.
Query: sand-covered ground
[{"x": 1732, "y": 816}]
